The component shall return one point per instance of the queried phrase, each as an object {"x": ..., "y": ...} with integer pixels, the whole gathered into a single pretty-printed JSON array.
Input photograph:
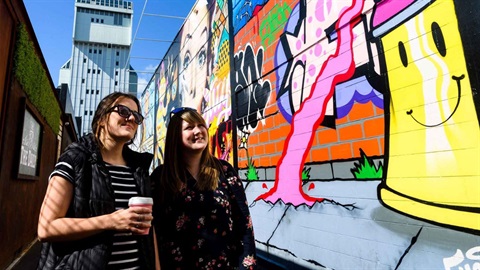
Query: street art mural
[
  {"x": 195, "y": 72},
  {"x": 355, "y": 125}
]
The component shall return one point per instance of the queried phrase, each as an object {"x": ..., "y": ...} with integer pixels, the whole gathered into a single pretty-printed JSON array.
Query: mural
[{"x": 354, "y": 124}]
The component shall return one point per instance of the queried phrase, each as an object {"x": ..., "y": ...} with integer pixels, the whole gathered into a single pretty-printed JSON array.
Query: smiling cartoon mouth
[{"x": 457, "y": 79}]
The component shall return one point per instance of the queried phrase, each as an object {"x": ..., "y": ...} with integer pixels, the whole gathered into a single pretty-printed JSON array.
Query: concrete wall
[{"x": 355, "y": 124}]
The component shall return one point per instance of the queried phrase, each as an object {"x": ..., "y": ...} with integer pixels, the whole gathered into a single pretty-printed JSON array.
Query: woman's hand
[{"x": 133, "y": 219}]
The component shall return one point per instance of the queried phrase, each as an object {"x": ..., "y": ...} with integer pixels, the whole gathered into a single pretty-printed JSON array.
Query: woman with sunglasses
[
  {"x": 85, "y": 221},
  {"x": 201, "y": 213}
]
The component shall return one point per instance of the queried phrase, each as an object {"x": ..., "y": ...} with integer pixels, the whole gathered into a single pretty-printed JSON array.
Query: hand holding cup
[{"x": 145, "y": 202}]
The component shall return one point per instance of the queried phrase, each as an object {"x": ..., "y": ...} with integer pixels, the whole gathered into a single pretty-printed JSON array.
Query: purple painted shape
[
  {"x": 386, "y": 9},
  {"x": 358, "y": 97}
]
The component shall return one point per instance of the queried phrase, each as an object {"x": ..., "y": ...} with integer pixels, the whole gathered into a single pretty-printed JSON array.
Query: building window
[
  {"x": 97, "y": 20},
  {"x": 98, "y": 91},
  {"x": 116, "y": 72},
  {"x": 95, "y": 51},
  {"x": 100, "y": 51},
  {"x": 98, "y": 71},
  {"x": 88, "y": 91},
  {"x": 116, "y": 63},
  {"x": 116, "y": 83},
  {"x": 92, "y": 20},
  {"x": 84, "y": 60},
  {"x": 86, "y": 112},
  {"x": 91, "y": 112},
  {"x": 81, "y": 101},
  {"x": 83, "y": 80},
  {"x": 88, "y": 70},
  {"x": 101, "y": 20},
  {"x": 118, "y": 53},
  {"x": 109, "y": 46},
  {"x": 89, "y": 50}
]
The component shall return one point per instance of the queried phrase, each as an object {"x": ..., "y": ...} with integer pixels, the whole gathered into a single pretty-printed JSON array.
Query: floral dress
[{"x": 206, "y": 229}]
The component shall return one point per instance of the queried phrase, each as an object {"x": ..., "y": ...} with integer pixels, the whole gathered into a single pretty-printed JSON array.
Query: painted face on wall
[
  {"x": 433, "y": 140},
  {"x": 194, "y": 68}
]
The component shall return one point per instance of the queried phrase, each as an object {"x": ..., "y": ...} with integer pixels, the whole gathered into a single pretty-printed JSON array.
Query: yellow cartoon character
[{"x": 432, "y": 127}]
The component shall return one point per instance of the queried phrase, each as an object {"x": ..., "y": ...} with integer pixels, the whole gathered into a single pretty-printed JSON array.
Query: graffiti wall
[{"x": 354, "y": 124}]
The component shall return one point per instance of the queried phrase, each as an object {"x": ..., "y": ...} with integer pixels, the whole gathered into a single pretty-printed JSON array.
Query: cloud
[
  {"x": 151, "y": 68},
  {"x": 142, "y": 83}
]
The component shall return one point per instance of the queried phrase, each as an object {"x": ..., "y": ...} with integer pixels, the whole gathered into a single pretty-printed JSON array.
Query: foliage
[
  {"x": 366, "y": 169},
  {"x": 33, "y": 78},
  {"x": 252, "y": 173},
  {"x": 306, "y": 173}
]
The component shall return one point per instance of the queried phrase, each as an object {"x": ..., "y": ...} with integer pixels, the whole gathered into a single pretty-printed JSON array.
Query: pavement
[{"x": 29, "y": 260}]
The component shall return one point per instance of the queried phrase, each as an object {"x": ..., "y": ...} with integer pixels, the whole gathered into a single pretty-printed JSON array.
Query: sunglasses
[
  {"x": 125, "y": 112},
  {"x": 180, "y": 110}
]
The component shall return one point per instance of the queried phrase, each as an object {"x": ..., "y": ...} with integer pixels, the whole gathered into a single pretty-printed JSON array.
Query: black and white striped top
[
  {"x": 125, "y": 249},
  {"x": 125, "y": 253}
]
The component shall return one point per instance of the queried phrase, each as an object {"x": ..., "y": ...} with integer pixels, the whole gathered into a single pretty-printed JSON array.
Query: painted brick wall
[{"x": 356, "y": 122}]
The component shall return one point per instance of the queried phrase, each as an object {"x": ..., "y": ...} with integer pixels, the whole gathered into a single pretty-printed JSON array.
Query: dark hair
[
  {"x": 103, "y": 110},
  {"x": 173, "y": 174}
]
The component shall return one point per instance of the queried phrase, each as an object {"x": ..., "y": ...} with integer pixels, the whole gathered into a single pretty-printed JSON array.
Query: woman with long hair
[
  {"x": 85, "y": 221},
  {"x": 201, "y": 213}
]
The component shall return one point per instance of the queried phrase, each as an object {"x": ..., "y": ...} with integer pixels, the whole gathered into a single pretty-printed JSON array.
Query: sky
[{"x": 52, "y": 21}]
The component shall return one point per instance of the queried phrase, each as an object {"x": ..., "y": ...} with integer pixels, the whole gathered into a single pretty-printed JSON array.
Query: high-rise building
[{"x": 99, "y": 64}]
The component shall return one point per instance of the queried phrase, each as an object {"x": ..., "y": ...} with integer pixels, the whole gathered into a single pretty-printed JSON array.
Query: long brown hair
[
  {"x": 174, "y": 175},
  {"x": 103, "y": 111}
]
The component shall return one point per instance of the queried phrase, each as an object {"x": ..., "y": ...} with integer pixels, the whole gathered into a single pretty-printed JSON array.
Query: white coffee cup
[{"x": 146, "y": 202}]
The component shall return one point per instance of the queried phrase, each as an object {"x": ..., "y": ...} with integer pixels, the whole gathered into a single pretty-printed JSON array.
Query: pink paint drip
[{"x": 288, "y": 182}]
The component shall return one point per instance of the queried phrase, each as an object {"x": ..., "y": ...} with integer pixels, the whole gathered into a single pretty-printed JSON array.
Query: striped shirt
[{"x": 125, "y": 253}]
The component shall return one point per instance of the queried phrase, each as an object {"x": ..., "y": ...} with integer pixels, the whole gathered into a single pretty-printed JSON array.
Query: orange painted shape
[
  {"x": 374, "y": 127},
  {"x": 279, "y": 133},
  {"x": 319, "y": 154},
  {"x": 263, "y": 161},
  {"x": 270, "y": 148},
  {"x": 274, "y": 160},
  {"x": 369, "y": 147},
  {"x": 350, "y": 132},
  {"x": 361, "y": 111},
  {"x": 252, "y": 139},
  {"x": 327, "y": 135},
  {"x": 264, "y": 136},
  {"x": 341, "y": 151}
]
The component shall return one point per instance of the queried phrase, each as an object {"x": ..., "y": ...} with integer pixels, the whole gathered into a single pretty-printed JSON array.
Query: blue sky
[{"x": 52, "y": 21}]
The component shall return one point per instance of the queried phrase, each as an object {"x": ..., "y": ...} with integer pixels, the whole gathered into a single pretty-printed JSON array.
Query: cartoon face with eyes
[
  {"x": 431, "y": 125},
  {"x": 194, "y": 70}
]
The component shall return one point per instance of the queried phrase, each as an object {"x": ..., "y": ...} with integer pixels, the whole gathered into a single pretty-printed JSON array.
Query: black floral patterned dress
[{"x": 206, "y": 229}]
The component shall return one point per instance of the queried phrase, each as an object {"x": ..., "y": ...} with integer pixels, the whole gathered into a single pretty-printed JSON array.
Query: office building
[{"x": 99, "y": 64}]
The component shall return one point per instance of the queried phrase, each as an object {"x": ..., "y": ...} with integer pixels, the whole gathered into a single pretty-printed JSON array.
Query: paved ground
[{"x": 30, "y": 259}]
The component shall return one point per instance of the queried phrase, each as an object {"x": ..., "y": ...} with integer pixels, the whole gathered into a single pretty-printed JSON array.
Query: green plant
[
  {"x": 31, "y": 75},
  {"x": 306, "y": 173},
  {"x": 366, "y": 169},
  {"x": 252, "y": 173}
]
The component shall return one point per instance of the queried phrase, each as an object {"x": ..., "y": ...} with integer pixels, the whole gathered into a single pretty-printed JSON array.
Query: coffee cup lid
[{"x": 140, "y": 200}]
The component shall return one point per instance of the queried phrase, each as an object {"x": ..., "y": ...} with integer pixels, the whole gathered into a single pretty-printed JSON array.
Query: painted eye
[
  {"x": 403, "y": 53},
  {"x": 202, "y": 57},
  {"x": 186, "y": 61},
  {"x": 438, "y": 39}
]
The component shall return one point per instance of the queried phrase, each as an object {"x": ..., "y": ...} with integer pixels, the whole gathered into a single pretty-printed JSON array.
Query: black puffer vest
[{"x": 94, "y": 196}]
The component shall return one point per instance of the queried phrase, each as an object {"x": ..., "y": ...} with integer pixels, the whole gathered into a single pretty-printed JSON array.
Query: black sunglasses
[
  {"x": 180, "y": 110},
  {"x": 124, "y": 111}
]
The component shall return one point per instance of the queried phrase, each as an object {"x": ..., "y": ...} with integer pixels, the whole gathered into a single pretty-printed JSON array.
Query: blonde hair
[{"x": 173, "y": 175}]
